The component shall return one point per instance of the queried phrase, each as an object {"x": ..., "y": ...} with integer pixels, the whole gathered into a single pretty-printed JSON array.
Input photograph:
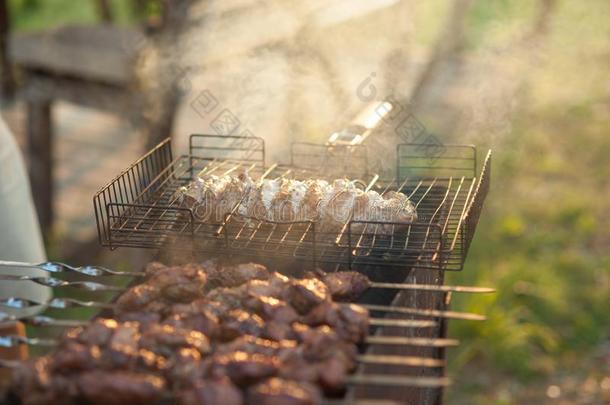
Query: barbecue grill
[
  {"x": 404, "y": 356},
  {"x": 140, "y": 207}
]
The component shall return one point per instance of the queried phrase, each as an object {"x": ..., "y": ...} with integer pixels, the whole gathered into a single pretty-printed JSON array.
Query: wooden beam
[{"x": 7, "y": 83}]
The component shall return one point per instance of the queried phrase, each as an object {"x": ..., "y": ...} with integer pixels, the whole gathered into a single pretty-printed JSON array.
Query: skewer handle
[
  {"x": 39, "y": 320},
  {"x": 57, "y": 283},
  {"x": 57, "y": 267},
  {"x": 56, "y": 303}
]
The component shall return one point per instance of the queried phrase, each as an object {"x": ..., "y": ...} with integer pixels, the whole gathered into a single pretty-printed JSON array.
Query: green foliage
[{"x": 31, "y": 15}]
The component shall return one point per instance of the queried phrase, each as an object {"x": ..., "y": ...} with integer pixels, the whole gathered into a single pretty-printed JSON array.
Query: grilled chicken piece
[
  {"x": 142, "y": 317},
  {"x": 254, "y": 344},
  {"x": 279, "y": 331},
  {"x": 271, "y": 309},
  {"x": 96, "y": 334},
  {"x": 239, "y": 322},
  {"x": 346, "y": 285},
  {"x": 75, "y": 357},
  {"x": 202, "y": 321},
  {"x": 138, "y": 297},
  {"x": 350, "y": 321},
  {"x": 276, "y": 391},
  {"x": 179, "y": 283},
  {"x": 306, "y": 294},
  {"x": 228, "y": 298},
  {"x": 33, "y": 383},
  {"x": 244, "y": 368},
  {"x": 166, "y": 339},
  {"x": 275, "y": 286},
  {"x": 118, "y": 388},
  {"x": 220, "y": 391},
  {"x": 153, "y": 267},
  {"x": 322, "y": 343},
  {"x": 233, "y": 276},
  {"x": 184, "y": 368}
]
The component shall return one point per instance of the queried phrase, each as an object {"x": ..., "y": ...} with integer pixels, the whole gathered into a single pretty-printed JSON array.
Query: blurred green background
[{"x": 544, "y": 236}]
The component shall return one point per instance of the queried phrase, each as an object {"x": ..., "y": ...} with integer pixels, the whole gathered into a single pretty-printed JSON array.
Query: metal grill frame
[{"x": 136, "y": 208}]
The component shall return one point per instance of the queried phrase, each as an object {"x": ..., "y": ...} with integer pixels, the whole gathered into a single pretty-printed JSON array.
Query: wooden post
[
  {"x": 105, "y": 11},
  {"x": 40, "y": 148},
  {"x": 14, "y": 328},
  {"x": 7, "y": 84}
]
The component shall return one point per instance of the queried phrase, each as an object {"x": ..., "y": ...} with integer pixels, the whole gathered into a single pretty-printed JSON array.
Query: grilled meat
[
  {"x": 272, "y": 335},
  {"x": 346, "y": 285},
  {"x": 165, "y": 339},
  {"x": 350, "y": 321},
  {"x": 276, "y": 391},
  {"x": 239, "y": 322},
  {"x": 244, "y": 368},
  {"x": 208, "y": 392},
  {"x": 306, "y": 294},
  {"x": 138, "y": 297},
  {"x": 233, "y": 276},
  {"x": 118, "y": 388}
]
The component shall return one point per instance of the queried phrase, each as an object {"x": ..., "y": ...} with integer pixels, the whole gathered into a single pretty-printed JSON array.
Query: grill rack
[
  {"x": 139, "y": 207},
  {"x": 402, "y": 358}
]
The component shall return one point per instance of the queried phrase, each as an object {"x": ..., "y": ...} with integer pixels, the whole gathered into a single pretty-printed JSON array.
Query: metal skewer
[
  {"x": 398, "y": 381},
  {"x": 57, "y": 283},
  {"x": 426, "y": 312},
  {"x": 57, "y": 267},
  {"x": 56, "y": 303},
  {"x": 16, "y": 340},
  {"x": 394, "y": 360},
  {"x": 360, "y": 402},
  {"x": 432, "y": 287},
  {"x": 411, "y": 361},
  {"x": 410, "y": 341},
  {"x": 39, "y": 320},
  {"x": 401, "y": 323}
]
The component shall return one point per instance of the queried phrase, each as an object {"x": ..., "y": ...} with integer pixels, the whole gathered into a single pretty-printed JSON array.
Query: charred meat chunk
[
  {"x": 271, "y": 309},
  {"x": 276, "y": 391},
  {"x": 234, "y": 276},
  {"x": 75, "y": 357},
  {"x": 244, "y": 368},
  {"x": 306, "y": 294},
  {"x": 350, "y": 321},
  {"x": 98, "y": 333},
  {"x": 118, "y": 388},
  {"x": 166, "y": 339},
  {"x": 239, "y": 322},
  {"x": 137, "y": 298},
  {"x": 220, "y": 391},
  {"x": 179, "y": 283},
  {"x": 33, "y": 383},
  {"x": 346, "y": 285},
  {"x": 202, "y": 321}
]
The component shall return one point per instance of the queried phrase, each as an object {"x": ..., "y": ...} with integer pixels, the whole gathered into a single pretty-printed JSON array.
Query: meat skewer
[
  {"x": 206, "y": 329},
  {"x": 40, "y": 320}
]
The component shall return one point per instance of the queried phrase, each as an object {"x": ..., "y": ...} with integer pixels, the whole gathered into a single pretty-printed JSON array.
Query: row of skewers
[{"x": 267, "y": 337}]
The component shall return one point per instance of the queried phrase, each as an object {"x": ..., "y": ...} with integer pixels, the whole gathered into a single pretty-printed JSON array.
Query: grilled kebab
[{"x": 207, "y": 334}]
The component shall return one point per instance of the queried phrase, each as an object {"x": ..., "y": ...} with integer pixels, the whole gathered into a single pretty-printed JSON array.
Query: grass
[
  {"x": 34, "y": 15},
  {"x": 543, "y": 238}
]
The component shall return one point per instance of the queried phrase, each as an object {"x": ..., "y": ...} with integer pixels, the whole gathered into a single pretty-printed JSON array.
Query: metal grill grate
[{"x": 139, "y": 208}]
